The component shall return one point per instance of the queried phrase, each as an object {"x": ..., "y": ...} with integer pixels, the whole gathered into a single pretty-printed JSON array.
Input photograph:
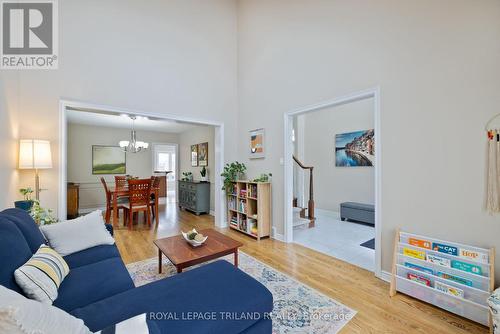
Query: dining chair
[
  {"x": 120, "y": 182},
  {"x": 155, "y": 185},
  {"x": 139, "y": 200},
  {"x": 109, "y": 201}
]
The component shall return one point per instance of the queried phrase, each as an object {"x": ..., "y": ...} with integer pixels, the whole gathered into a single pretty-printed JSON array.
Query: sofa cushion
[
  {"x": 42, "y": 275},
  {"x": 14, "y": 252},
  {"x": 19, "y": 314},
  {"x": 91, "y": 255},
  {"x": 78, "y": 234},
  {"x": 27, "y": 226},
  {"x": 88, "y": 284},
  {"x": 215, "y": 287}
]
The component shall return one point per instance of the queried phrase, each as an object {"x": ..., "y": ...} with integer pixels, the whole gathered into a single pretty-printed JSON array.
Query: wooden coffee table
[{"x": 183, "y": 255}]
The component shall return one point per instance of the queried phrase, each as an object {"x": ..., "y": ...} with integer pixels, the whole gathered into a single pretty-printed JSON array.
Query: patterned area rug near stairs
[{"x": 297, "y": 307}]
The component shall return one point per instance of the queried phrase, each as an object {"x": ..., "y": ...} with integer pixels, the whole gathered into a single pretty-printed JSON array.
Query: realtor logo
[{"x": 29, "y": 34}]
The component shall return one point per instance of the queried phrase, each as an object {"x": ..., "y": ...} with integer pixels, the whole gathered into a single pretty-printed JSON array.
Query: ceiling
[{"x": 106, "y": 119}]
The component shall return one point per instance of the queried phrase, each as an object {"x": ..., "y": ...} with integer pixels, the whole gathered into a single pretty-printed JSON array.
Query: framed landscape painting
[
  {"x": 257, "y": 149},
  {"x": 194, "y": 155},
  {"x": 355, "y": 149},
  {"x": 108, "y": 160}
]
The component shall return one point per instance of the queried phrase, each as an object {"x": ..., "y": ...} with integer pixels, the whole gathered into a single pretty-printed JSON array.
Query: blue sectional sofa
[{"x": 214, "y": 298}]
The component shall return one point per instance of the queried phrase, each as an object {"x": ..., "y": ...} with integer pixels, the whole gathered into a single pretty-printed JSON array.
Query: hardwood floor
[{"x": 348, "y": 284}]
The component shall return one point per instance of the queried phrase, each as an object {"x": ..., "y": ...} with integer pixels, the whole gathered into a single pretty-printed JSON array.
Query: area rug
[
  {"x": 297, "y": 307},
  {"x": 369, "y": 244}
]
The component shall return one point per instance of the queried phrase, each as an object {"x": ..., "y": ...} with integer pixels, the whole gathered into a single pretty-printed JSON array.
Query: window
[{"x": 165, "y": 159}]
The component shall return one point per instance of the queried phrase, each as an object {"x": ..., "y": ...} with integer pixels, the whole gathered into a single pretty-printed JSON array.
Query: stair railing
[{"x": 310, "y": 203}]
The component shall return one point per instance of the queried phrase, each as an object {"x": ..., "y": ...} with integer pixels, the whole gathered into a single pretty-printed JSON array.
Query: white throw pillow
[
  {"x": 78, "y": 234},
  {"x": 20, "y": 315}
]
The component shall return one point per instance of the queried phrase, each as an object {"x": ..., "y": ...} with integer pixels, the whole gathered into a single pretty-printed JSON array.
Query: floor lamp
[{"x": 35, "y": 154}]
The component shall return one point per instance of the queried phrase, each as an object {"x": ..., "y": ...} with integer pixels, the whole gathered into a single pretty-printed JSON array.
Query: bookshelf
[
  {"x": 456, "y": 277},
  {"x": 249, "y": 208}
]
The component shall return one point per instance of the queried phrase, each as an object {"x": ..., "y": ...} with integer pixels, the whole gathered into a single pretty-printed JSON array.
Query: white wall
[
  {"x": 80, "y": 141},
  {"x": 9, "y": 125},
  {"x": 334, "y": 185},
  {"x": 192, "y": 137},
  {"x": 437, "y": 65},
  {"x": 163, "y": 57}
]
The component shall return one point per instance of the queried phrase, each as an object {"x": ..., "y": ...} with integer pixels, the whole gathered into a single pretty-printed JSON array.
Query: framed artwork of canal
[{"x": 355, "y": 149}]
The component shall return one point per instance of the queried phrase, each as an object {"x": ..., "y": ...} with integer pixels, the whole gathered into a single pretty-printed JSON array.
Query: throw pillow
[
  {"x": 19, "y": 314},
  {"x": 78, "y": 234},
  {"x": 41, "y": 276}
]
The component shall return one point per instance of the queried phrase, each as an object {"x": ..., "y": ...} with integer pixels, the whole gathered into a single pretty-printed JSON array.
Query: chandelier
[{"x": 133, "y": 145}]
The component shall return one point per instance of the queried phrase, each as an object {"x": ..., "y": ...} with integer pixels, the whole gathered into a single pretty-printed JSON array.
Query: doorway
[
  {"x": 165, "y": 158},
  {"x": 372, "y": 95},
  {"x": 67, "y": 106}
]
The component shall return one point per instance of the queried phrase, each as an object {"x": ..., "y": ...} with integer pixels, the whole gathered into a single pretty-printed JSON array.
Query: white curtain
[{"x": 492, "y": 199}]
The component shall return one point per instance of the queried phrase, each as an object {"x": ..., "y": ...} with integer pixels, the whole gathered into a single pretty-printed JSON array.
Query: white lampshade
[{"x": 34, "y": 154}]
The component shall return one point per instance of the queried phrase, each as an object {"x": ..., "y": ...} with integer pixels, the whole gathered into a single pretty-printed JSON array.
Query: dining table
[{"x": 117, "y": 192}]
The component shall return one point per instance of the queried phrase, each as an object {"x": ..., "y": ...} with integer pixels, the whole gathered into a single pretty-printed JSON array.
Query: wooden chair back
[
  {"x": 139, "y": 191},
  {"x": 155, "y": 182},
  {"x": 106, "y": 190},
  {"x": 120, "y": 182}
]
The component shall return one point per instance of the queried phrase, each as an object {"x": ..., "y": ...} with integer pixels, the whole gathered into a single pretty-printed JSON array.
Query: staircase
[{"x": 304, "y": 217}]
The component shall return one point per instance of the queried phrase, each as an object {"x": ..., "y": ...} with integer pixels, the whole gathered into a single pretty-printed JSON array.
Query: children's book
[
  {"x": 419, "y": 268},
  {"x": 414, "y": 253},
  {"x": 419, "y": 279},
  {"x": 474, "y": 255},
  {"x": 448, "y": 289},
  {"x": 419, "y": 243},
  {"x": 464, "y": 266},
  {"x": 438, "y": 260},
  {"x": 455, "y": 278},
  {"x": 443, "y": 248}
]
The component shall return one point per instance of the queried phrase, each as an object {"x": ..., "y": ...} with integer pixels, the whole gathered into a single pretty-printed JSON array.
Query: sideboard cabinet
[{"x": 194, "y": 196}]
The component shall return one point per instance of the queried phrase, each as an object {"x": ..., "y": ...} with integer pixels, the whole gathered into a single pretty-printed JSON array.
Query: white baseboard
[
  {"x": 385, "y": 276},
  {"x": 212, "y": 213},
  {"x": 328, "y": 213},
  {"x": 279, "y": 237}
]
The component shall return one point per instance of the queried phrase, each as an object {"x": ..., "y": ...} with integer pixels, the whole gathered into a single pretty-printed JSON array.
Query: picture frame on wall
[
  {"x": 355, "y": 149},
  {"x": 203, "y": 154},
  {"x": 257, "y": 144},
  {"x": 194, "y": 155},
  {"x": 108, "y": 160}
]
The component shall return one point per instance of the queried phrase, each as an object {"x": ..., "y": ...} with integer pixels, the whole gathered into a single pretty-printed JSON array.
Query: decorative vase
[
  {"x": 204, "y": 178},
  {"x": 24, "y": 205}
]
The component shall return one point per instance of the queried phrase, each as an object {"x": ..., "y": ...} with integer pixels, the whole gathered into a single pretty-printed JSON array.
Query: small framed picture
[
  {"x": 257, "y": 148},
  {"x": 203, "y": 154},
  {"x": 194, "y": 155}
]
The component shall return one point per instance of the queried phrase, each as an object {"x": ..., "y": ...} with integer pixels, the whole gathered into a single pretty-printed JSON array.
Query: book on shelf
[
  {"x": 252, "y": 226},
  {"x": 243, "y": 193},
  {"x": 253, "y": 191},
  {"x": 242, "y": 206},
  {"x": 243, "y": 224}
]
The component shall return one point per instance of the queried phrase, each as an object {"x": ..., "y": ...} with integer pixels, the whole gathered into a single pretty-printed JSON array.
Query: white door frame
[
  {"x": 220, "y": 220},
  {"x": 288, "y": 163},
  {"x": 176, "y": 164}
]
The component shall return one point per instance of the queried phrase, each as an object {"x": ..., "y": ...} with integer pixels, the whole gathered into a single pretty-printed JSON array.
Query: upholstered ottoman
[{"x": 358, "y": 211}]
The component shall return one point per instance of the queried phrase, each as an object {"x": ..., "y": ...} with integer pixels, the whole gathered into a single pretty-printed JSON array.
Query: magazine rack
[{"x": 456, "y": 277}]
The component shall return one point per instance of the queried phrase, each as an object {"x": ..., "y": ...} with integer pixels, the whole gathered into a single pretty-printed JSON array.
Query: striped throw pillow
[{"x": 41, "y": 276}]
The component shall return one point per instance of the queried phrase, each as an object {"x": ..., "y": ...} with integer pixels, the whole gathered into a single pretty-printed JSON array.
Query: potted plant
[
  {"x": 264, "y": 178},
  {"x": 187, "y": 176},
  {"x": 27, "y": 203},
  {"x": 40, "y": 215},
  {"x": 203, "y": 173},
  {"x": 232, "y": 172}
]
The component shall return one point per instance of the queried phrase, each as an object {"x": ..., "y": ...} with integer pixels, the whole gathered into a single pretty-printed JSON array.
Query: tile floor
[{"x": 339, "y": 239}]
